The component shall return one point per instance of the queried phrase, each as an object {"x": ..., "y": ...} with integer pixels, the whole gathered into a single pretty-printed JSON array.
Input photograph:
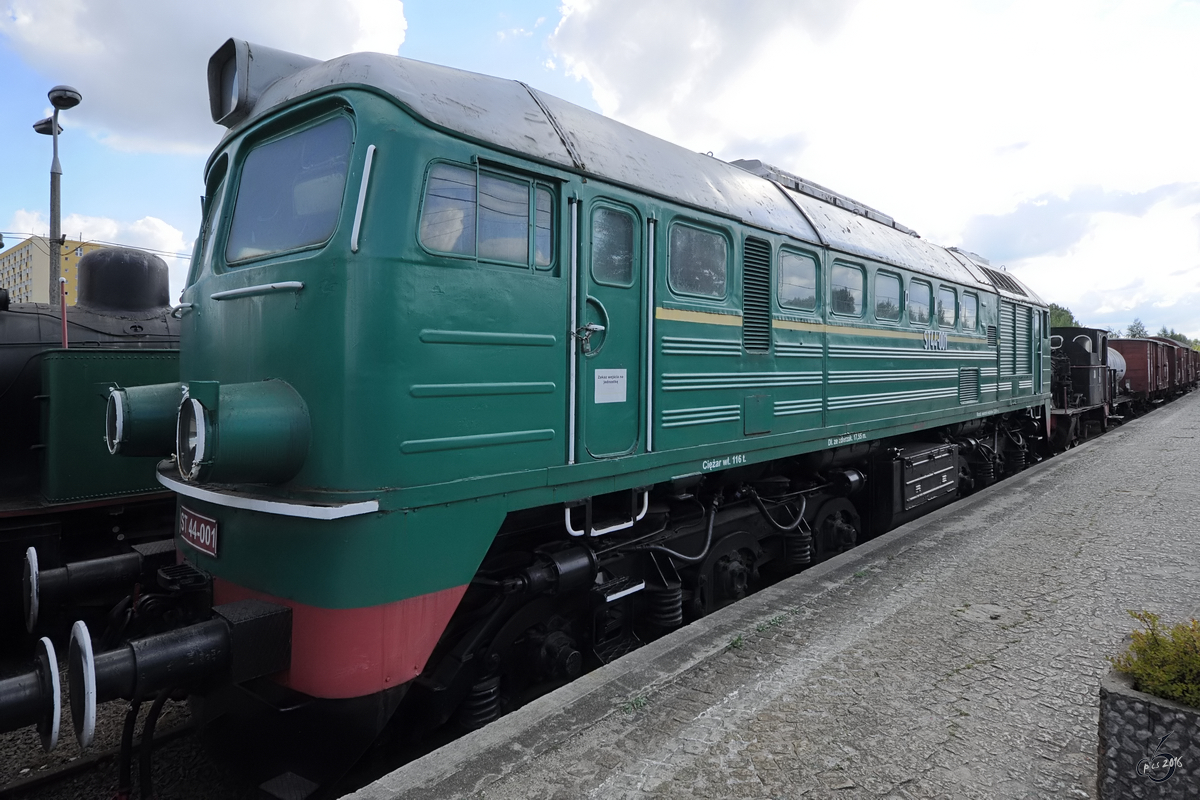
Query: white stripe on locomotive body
[
  {"x": 873, "y": 375},
  {"x": 836, "y": 351},
  {"x": 887, "y": 398},
  {"x": 787, "y": 408},
  {"x": 677, "y": 382},
  {"x": 788, "y": 350},
  {"x": 965, "y": 374},
  {"x": 679, "y": 418},
  {"x": 686, "y": 346}
]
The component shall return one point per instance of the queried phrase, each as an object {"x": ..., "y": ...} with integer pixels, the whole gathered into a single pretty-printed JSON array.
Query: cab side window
[
  {"x": 797, "y": 281},
  {"x": 970, "y": 312},
  {"x": 448, "y": 216},
  {"x": 215, "y": 200},
  {"x": 612, "y": 247},
  {"x": 887, "y": 297},
  {"x": 847, "y": 284},
  {"x": 947, "y": 307},
  {"x": 697, "y": 262},
  {"x": 485, "y": 215},
  {"x": 920, "y": 297}
]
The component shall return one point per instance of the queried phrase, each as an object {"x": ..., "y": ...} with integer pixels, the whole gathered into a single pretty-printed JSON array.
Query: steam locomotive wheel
[{"x": 836, "y": 527}]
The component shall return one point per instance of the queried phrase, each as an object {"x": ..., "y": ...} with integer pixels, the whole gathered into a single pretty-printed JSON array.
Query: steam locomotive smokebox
[
  {"x": 910, "y": 481},
  {"x": 123, "y": 280}
]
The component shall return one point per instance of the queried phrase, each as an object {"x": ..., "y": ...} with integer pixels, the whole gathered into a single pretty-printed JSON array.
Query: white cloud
[
  {"x": 141, "y": 65},
  {"x": 381, "y": 26},
  {"x": 149, "y": 233},
  {"x": 1127, "y": 266},
  {"x": 935, "y": 111}
]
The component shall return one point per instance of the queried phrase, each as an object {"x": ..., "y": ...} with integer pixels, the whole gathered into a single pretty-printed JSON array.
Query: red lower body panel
[{"x": 351, "y": 652}]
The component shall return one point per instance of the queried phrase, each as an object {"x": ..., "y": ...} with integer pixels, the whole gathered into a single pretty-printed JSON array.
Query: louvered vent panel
[
  {"x": 992, "y": 336},
  {"x": 756, "y": 296},
  {"x": 1007, "y": 337},
  {"x": 1003, "y": 281},
  {"x": 968, "y": 385},
  {"x": 1024, "y": 355}
]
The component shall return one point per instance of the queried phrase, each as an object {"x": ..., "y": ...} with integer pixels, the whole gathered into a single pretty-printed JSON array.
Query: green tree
[
  {"x": 1176, "y": 335},
  {"x": 1061, "y": 317},
  {"x": 1137, "y": 330}
]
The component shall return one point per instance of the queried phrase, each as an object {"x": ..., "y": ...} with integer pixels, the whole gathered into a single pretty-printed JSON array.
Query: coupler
[
  {"x": 243, "y": 640},
  {"x": 81, "y": 581},
  {"x": 34, "y": 698}
]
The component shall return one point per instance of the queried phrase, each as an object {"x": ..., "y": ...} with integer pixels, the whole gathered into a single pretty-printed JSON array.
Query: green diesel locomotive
[{"x": 482, "y": 389}]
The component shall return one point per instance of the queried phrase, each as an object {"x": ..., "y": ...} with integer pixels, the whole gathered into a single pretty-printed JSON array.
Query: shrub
[{"x": 1162, "y": 662}]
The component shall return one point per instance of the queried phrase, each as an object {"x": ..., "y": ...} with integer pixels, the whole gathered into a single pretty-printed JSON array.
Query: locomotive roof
[{"x": 513, "y": 116}]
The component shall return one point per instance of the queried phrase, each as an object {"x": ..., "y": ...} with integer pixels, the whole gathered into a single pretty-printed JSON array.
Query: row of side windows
[
  {"x": 502, "y": 218},
  {"x": 848, "y": 295},
  {"x": 488, "y": 216}
]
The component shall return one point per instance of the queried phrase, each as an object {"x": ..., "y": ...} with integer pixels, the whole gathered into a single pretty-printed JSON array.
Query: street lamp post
[{"x": 62, "y": 98}]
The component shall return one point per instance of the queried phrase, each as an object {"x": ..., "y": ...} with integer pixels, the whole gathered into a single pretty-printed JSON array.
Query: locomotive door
[
  {"x": 1036, "y": 342},
  {"x": 609, "y": 333}
]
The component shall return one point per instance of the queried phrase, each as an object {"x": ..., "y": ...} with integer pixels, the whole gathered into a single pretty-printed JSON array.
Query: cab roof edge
[{"x": 816, "y": 190}]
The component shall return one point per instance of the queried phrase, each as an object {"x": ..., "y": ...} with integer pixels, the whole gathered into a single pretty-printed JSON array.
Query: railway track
[{"x": 182, "y": 766}]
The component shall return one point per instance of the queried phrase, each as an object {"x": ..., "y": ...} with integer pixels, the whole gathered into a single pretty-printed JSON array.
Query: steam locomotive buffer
[{"x": 479, "y": 390}]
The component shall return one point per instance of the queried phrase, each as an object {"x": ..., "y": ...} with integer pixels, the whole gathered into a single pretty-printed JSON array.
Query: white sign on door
[{"x": 610, "y": 386}]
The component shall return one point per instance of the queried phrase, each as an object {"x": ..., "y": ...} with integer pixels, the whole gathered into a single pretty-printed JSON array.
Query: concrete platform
[{"x": 958, "y": 656}]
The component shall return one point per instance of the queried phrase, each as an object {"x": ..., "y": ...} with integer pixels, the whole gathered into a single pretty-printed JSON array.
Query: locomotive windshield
[{"x": 291, "y": 191}]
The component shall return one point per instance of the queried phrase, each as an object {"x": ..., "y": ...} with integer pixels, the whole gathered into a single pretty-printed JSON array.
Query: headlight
[
  {"x": 114, "y": 420},
  {"x": 140, "y": 420},
  {"x": 241, "y": 432},
  {"x": 191, "y": 438}
]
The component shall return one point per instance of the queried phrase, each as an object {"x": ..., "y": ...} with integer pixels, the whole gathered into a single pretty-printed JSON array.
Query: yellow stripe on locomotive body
[{"x": 874, "y": 379}]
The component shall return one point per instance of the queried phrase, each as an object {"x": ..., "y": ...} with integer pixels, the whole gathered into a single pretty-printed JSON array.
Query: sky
[{"x": 1054, "y": 137}]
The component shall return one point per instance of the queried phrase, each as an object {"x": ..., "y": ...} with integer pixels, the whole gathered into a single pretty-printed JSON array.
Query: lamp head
[
  {"x": 46, "y": 126},
  {"x": 64, "y": 97}
]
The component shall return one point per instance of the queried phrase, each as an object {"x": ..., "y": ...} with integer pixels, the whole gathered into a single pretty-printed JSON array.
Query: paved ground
[{"x": 957, "y": 657}]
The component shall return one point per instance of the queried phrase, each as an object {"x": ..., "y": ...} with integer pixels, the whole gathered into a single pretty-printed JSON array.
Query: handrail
[{"x": 262, "y": 288}]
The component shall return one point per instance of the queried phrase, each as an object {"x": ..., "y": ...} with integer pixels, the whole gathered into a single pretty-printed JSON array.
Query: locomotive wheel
[
  {"x": 836, "y": 527},
  {"x": 529, "y": 655},
  {"x": 727, "y": 573}
]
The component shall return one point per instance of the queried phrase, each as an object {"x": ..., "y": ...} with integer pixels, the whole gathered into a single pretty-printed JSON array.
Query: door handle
[{"x": 584, "y": 334}]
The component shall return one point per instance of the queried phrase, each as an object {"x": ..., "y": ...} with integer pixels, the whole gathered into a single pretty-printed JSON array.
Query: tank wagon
[
  {"x": 61, "y": 493},
  {"x": 482, "y": 389}
]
